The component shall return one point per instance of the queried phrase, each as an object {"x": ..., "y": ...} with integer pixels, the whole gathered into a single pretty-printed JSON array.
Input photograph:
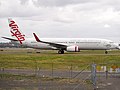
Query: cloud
[
  {"x": 24, "y": 1},
  {"x": 66, "y": 11},
  {"x": 49, "y": 3},
  {"x": 107, "y": 26},
  {"x": 17, "y": 9}
]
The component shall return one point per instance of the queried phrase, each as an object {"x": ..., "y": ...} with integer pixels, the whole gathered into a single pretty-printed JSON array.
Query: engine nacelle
[{"x": 73, "y": 49}]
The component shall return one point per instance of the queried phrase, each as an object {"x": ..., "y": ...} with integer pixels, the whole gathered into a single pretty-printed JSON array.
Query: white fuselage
[
  {"x": 82, "y": 43},
  {"x": 61, "y": 44}
]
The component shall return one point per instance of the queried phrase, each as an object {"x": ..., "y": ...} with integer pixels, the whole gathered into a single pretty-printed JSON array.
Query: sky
[{"x": 62, "y": 18}]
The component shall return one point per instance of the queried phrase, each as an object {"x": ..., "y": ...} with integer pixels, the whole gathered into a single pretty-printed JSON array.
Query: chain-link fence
[
  {"x": 53, "y": 76},
  {"x": 60, "y": 76}
]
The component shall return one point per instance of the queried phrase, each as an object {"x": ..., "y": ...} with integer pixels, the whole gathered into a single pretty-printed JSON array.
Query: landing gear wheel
[
  {"x": 106, "y": 52},
  {"x": 61, "y": 51}
]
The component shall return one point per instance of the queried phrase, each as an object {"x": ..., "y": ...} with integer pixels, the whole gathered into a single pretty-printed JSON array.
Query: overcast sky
[{"x": 63, "y": 18}]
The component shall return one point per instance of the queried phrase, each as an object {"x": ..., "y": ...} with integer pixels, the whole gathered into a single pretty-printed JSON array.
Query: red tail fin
[{"x": 14, "y": 29}]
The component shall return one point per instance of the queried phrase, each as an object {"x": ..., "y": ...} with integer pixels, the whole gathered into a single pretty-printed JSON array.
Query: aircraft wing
[
  {"x": 59, "y": 46},
  {"x": 10, "y": 39}
]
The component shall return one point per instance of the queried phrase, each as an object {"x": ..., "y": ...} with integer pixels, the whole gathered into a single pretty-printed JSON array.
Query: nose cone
[{"x": 117, "y": 45}]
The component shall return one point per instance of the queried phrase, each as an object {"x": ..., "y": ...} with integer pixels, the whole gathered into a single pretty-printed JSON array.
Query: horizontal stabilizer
[{"x": 10, "y": 39}]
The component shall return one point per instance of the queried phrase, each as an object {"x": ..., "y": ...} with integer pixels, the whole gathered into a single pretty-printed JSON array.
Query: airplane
[{"x": 60, "y": 44}]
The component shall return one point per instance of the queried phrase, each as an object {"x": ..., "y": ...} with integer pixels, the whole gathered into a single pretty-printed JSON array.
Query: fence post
[
  {"x": 35, "y": 67},
  {"x": 93, "y": 75},
  {"x": 71, "y": 71},
  {"x": 52, "y": 70}
]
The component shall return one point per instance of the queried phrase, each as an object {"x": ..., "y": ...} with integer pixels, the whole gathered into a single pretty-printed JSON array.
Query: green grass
[{"x": 21, "y": 59}]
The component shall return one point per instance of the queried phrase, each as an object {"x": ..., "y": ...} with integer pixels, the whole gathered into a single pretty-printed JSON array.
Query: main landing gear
[
  {"x": 106, "y": 52},
  {"x": 61, "y": 51}
]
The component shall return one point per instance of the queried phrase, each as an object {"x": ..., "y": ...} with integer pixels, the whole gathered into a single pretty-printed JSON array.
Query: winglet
[{"x": 36, "y": 37}]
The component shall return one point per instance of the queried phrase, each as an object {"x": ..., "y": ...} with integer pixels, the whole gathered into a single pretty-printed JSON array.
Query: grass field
[{"x": 29, "y": 59}]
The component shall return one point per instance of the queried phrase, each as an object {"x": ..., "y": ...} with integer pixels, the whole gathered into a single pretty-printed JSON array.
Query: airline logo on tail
[{"x": 15, "y": 31}]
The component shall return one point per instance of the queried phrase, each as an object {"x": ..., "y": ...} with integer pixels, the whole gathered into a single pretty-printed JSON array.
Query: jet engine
[{"x": 73, "y": 49}]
